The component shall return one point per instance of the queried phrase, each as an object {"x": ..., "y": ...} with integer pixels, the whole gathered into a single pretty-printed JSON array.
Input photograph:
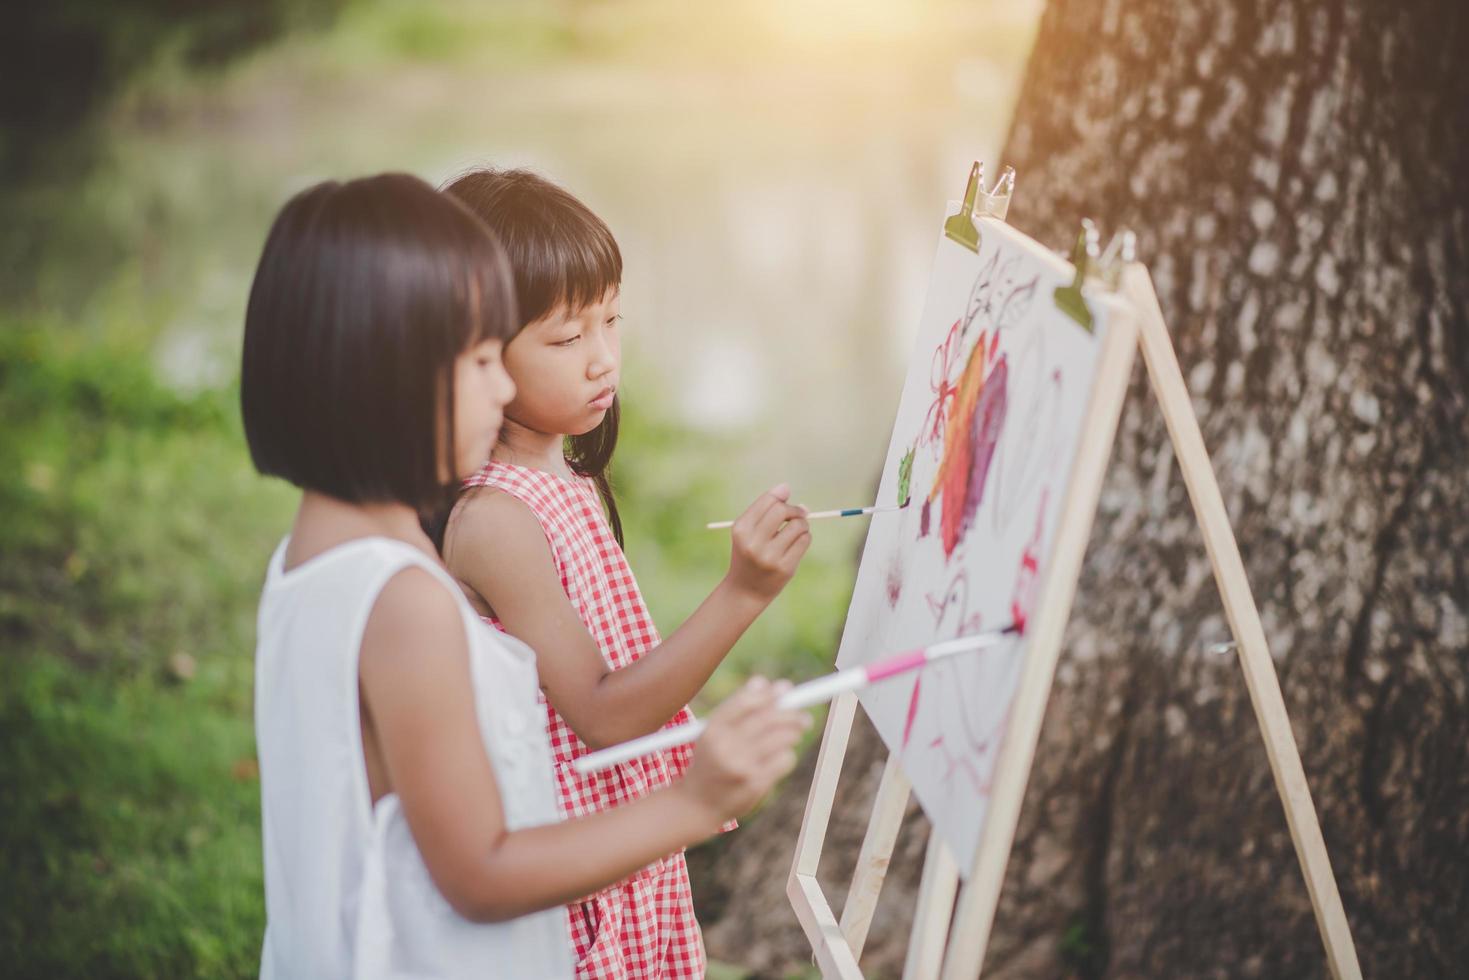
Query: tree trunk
[{"x": 1298, "y": 174}]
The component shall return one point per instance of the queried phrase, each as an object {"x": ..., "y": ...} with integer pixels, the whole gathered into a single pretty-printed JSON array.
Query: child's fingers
[
  {"x": 796, "y": 551},
  {"x": 757, "y": 695},
  {"x": 772, "y": 772},
  {"x": 771, "y": 522},
  {"x": 753, "y": 513},
  {"x": 777, "y": 764},
  {"x": 766, "y": 720},
  {"x": 782, "y": 731},
  {"x": 795, "y": 529},
  {"x": 766, "y": 756},
  {"x": 775, "y": 724}
]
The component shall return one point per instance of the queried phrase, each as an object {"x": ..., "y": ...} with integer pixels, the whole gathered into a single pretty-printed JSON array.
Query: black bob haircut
[
  {"x": 366, "y": 294},
  {"x": 561, "y": 254}
]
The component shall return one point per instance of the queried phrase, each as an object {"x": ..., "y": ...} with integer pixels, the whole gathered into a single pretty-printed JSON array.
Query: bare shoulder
[
  {"x": 491, "y": 531},
  {"x": 490, "y": 511},
  {"x": 415, "y": 624}
]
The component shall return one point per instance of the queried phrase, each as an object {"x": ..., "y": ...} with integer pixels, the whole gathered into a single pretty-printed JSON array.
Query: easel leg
[
  {"x": 936, "y": 892},
  {"x": 828, "y": 943},
  {"x": 877, "y": 850},
  {"x": 1244, "y": 621}
]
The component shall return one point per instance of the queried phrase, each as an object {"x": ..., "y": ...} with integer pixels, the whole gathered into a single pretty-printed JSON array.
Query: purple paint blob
[{"x": 989, "y": 422}]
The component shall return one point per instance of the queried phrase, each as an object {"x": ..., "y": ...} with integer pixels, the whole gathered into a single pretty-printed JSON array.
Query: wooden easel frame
[{"x": 954, "y": 950}]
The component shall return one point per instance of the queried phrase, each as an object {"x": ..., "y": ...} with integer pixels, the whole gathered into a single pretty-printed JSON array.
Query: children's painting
[{"x": 987, "y": 428}]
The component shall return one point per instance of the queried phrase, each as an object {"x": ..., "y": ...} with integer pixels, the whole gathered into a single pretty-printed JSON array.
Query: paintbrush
[
  {"x": 813, "y": 692},
  {"x": 818, "y": 515}
]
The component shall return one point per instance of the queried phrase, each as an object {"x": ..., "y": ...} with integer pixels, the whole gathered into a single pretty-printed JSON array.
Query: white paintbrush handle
[
  {"x": 665, "y": 739},
  {"x": 813, "y": 692},
  {"x": 821, "y": 514}
]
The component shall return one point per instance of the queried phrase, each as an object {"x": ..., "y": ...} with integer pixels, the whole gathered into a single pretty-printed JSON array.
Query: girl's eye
[
  {"x": 612, "y": 320},
  {"x": 567, "y": 342}
]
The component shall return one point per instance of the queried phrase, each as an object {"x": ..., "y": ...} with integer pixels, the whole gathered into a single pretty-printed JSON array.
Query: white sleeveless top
[{"x": 346, "y": 891}]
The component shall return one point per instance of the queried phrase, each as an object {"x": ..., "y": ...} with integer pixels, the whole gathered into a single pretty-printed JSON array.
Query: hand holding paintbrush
[{"x": 767, "y": 543}]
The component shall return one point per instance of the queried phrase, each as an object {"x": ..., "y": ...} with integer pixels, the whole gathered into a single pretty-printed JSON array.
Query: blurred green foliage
[{"x": 133, "y": 539}]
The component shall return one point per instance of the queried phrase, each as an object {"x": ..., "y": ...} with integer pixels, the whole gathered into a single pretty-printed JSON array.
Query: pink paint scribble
[
  {"x": 944, "y": 359},
  {"x": 912, "y": 711},
  {"x": 893, "y": 587},
  {"x": 975, "y": 761},
  {"x": 1027, "y": 579},
  {"x": 949, "y": 608}
]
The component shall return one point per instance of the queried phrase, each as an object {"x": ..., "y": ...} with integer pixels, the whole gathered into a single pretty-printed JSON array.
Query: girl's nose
[{"x": 603, "y": 358}]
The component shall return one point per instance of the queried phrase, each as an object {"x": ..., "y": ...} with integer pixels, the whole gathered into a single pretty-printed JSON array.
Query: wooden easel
[{"x": 954, "y": 950}]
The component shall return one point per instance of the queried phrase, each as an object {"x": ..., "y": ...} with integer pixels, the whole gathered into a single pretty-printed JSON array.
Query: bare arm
[
  {"x": 495, "y": 545},
  {"x": 417, "y": 696}
]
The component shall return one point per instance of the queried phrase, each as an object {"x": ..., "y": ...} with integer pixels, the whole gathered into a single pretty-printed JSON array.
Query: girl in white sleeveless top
[
  {"x": 313, "y": 783},
  {"x": 410, "y": 821}
]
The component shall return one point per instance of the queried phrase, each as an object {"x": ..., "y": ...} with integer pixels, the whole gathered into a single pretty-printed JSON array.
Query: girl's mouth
[{"x": 604, "y": 401}]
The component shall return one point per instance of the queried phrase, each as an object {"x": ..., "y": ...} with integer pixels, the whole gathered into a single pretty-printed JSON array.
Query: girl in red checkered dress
[{"x": 536, "y": 541}]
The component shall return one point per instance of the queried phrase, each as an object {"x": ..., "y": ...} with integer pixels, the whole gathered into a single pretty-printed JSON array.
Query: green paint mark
[{"x": 905, "y": 477}]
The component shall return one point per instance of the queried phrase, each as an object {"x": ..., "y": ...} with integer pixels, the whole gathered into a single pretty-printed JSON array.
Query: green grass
[
  {"x": 131, "y": 843},
  {"x": 134, "y": 537}
]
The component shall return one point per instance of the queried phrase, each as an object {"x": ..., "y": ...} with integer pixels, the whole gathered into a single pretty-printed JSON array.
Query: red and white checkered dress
[{"x": 642, "y": 927}]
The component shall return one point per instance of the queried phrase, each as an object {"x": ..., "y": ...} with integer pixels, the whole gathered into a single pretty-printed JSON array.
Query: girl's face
[
  {"x": 566, "y": 366},
  {"x": 482, "y": 389}
]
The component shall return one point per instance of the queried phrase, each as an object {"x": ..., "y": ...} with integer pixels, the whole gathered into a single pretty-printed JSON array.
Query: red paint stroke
[
  {"x": 979, "y": 753},
  {"x": 954, "y": 763},
  {"x": 912, "y": 712},
  {"x": 945, "y": 356},
  {"x": 1027, "y": 580}
]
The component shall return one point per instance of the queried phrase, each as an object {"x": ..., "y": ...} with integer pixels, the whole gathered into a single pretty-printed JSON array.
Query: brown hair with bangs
[
  {"x": 365, "y": 295},
  {"x": 561, "y": 254}
]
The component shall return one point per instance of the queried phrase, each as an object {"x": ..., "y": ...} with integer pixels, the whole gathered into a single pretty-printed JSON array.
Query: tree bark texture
[{"x": 1298, "y": 175}]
